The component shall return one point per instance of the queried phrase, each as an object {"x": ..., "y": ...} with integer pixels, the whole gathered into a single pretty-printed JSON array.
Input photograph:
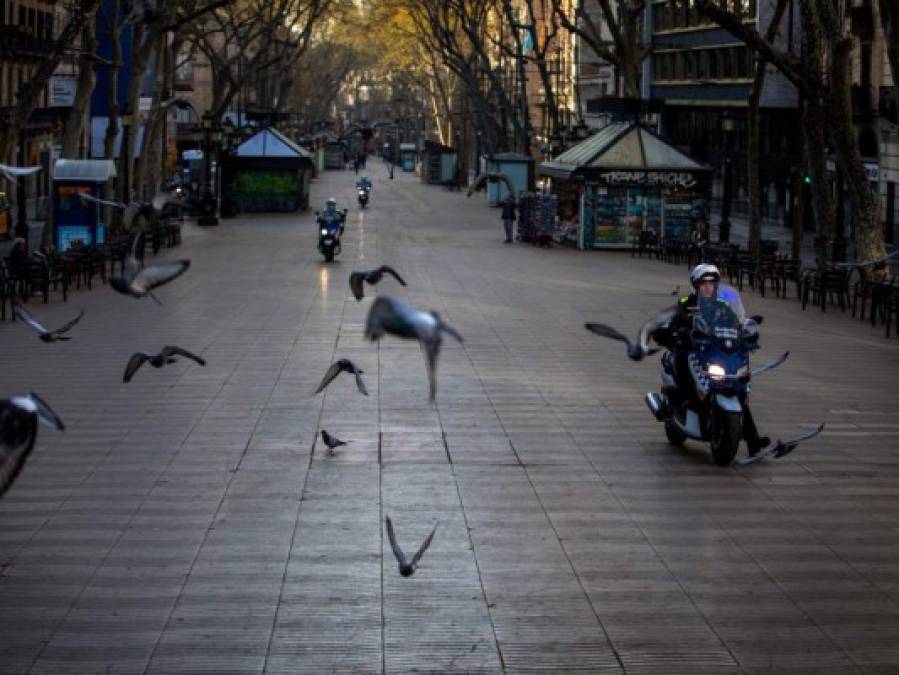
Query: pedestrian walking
[{"x": 509, "y": 216}]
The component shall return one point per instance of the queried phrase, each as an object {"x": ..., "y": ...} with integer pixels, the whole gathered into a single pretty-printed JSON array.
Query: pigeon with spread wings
[
  {"x": 641, "y": 348},
  {"x": 138, "y": 281},
  {"x": 491, "y": 177},
  {"x": 407, "y": 567},
  {"x": 19, "y": 417},
  {"x": 371, "y": 277},
  {"x": 389, "y": 315},
  {"x": 164, "y": 357},
  {"x": 342, "y": 366},
  {"x": 35, "y": 325}
]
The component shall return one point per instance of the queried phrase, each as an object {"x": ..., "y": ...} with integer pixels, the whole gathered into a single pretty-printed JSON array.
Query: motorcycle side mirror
[{"x": 758, "y": 318}]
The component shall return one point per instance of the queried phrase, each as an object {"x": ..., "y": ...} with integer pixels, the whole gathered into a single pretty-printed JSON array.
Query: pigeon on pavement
[{"x": 331, "y": 441}]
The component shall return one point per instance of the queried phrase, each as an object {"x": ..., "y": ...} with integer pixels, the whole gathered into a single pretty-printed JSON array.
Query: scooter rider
[
  {"x": 675, "y": 336},
  {"x": 330, "y": 213},
  {"x": 364, "y": 184}
]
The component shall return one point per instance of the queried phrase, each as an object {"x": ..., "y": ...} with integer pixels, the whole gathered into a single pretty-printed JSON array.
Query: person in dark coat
[{"x": 509, "y": 216}]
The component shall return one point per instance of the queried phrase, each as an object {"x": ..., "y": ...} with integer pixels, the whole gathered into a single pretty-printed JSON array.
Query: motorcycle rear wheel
[{"x": 725, "y": 437}]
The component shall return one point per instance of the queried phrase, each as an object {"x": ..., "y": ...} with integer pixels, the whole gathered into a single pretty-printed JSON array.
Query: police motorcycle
[
  {"x": 330, "y": 223},
  {"x": 721, "y": 341},
  {"x": 363, "y": 193}
]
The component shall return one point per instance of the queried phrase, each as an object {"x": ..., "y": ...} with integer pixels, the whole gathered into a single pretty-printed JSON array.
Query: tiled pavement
[{"x": 190, "y": 522}]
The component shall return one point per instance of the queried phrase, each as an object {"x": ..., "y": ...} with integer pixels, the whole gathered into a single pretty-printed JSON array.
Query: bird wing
[
  {"x": 432, "y": 351},
  {"x": 333, "y": 371},
  {"x": 424, "y": 547},
  {"x": 781, "y": 448},
  {"x": 607, "y": 331},
  {"x": 105, "y": 202},
  {"x": 172, "y": 350},
  {"x": 386, "y": 269},
  {"x": 45, "y": 413},
  {"x": 162, "y": 199},
  {"x": 356, "y": 285},
  {"x": 359, "y": 383},
  {"x": 128, "y": 217},
  {"x": 870, "y": 263},
  {"x": 137, "y": 242},
  {"x": 659, "y": 320},
  {"x": 446, "y": 328},
  {"x": 66, "y": 327},
  {"x": 13, "y": 172},
  {"x": 391, "y": 536},
  {"x": 135, "y": 362},
  {"x": 478, "y": 184},
  {"x": 27, "y": 319},
  {"x": 157, "y": 275},
  {"x": 18, "y": 431},
  {"x": 772, "y": 365}
]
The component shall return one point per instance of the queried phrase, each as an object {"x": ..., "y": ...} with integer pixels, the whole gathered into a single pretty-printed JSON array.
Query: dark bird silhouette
[
  {"x": 878, "y": 264},
  {"x": 641, "y": 348},
  {"x": 331, "y": 441},
  {"x": 342, "y": 366},
  {"x": 490, "y": 177},
  {"x": 138, "y": 281},
  {"x": 19, "y": 417},
  {"x": 407, "y": 568},
  {"x": 389, "y": 315},
  {"x": 371, "y": 277},
  {"x": 45, "y": 335},
  {"x": 781, "y": 448},
  {"x": 148, "y": 210},
  {"x": 165, "y": 356}
]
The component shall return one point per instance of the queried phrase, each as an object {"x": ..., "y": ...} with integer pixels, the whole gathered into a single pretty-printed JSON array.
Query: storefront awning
[
  {"x": 621, "y": 147},
  {"x": 89, "y": 170},
  {"x": 270, "y": 142}
]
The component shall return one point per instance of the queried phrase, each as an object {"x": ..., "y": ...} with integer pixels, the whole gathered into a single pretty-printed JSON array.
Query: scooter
[
  {"x": 362, "y": 194},
  {"x": 330, "y": 231},
  {"x": 719, "y": 368}
]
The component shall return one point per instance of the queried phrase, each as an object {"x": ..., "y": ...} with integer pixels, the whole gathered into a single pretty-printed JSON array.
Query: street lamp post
[
  {"x": 727, "y": 126},
  {"x": 209, "y": 201},
  {"x": 125, "y": 152},
  {"x": 21, "y": 196}
]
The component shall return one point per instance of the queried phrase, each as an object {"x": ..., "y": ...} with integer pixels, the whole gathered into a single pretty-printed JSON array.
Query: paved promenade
[{"x": 190, "y": 521}]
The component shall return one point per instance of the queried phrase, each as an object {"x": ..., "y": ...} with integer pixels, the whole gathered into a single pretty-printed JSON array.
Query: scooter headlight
[
  {"x": 716, "y": 372},
  {"x": 324, "y": 232},
  {"x": 361, "y": 193}
]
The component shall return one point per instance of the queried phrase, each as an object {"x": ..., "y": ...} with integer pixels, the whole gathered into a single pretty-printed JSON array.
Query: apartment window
[
  {"x": 23, "y": 16},
  {"x": 2, "y": 12},
  {"x": 49, "y": 26},
  {"x": 32, "y": 19},
  {"x": 40, "y": 24}
]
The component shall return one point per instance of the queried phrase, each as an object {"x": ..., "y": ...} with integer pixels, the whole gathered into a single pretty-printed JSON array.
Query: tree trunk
[
  {"x": 752, "y": 160},
  {"x": 889, "y": 19},
  {"x": 823, "y": 205},
  {"x": 86, "y": 80},
  {"x": 112, "y": 92},
  {"x": 869, "y": 240}
]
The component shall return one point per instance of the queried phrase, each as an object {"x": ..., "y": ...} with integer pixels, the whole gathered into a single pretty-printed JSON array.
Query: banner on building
[{"x": 62, "y": 91}]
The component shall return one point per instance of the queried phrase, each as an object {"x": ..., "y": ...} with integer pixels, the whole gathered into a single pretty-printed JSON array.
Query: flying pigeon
[
  {"x": 781, "y": 448},
  {"x": 45, "y": 335},
  {"x": 11, "y": 173},
  {"x": 19, "y": 417},
  {"x": 641, "y": 348},
  {"x": 165, "y": 356},
  {"x": 131, "y": 210},
  {"x": 389, "y": 315},
  {"x": 407, "y": 568},
  {"x": 138, "y": 281},
  {"x": 372, "y": 277},
  {"x": 345, "y": 366},
  {"x": 331, "y": 441},
  {"x": 878, "y": 264},
  {"x": 490, "y": 177}
]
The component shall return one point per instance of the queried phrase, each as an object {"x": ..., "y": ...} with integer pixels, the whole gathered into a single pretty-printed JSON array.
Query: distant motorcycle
[
  {"x": 363, "y": 195},
  {"x": 330, "y": 230}
]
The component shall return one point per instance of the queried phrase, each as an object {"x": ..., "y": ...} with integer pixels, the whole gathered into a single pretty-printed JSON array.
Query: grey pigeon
[
  {"x": 131, "y": 210},
  {"x": 878, "y": 264},
  {"x": 342, "y": 366},
  {"x": 781, "y": 448},
  {"x": 389, "y": 315},
  {"x": 371, "y": 277},
  {"x": 45, "y": 335},
  {"x": 641, "y": 348},
  {"x": 138, "y": 281},
  {"x": 407, "y": 568},
  {"x": 19, "y": 417},
  {"x": 491, "y": 177},
  {"x": 165, "y": 356},
  {"x": 331, "y": 441}
]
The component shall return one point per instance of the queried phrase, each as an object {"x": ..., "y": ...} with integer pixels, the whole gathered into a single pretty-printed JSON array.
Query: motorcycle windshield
[{"x": 720, "y": 316}]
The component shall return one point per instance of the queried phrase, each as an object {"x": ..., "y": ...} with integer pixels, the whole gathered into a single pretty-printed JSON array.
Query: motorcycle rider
[
  {"x": 330, "y": 213},
  {"x": 675, "y": 336},
  {"x": 364, "y": 184}
]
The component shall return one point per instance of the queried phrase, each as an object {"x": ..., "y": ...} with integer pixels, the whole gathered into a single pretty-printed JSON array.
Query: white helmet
[
  {"x": 331, "y": 202},
  {"x": 704, "y": 272}
]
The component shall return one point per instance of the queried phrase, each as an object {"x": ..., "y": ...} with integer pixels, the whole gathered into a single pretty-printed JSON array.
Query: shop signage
[
  {"x": 62, "y": 91},
  {"x": 666, "y": 178}
]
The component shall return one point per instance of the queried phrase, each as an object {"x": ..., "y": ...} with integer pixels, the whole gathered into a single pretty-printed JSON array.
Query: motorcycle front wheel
[
  {"x": 674, "y": 434},
  {"x": 726, "y": 431}
]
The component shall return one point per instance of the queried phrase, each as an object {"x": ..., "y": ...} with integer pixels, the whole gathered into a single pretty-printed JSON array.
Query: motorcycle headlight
[
  {"x": 716, "y": 372},
  {"x": 361, "y": 192},
  {"x": 324, "y": 232}
]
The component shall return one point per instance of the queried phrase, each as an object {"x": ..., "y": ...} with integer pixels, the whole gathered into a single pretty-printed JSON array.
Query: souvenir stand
[{"x": 629, "y": 180}]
